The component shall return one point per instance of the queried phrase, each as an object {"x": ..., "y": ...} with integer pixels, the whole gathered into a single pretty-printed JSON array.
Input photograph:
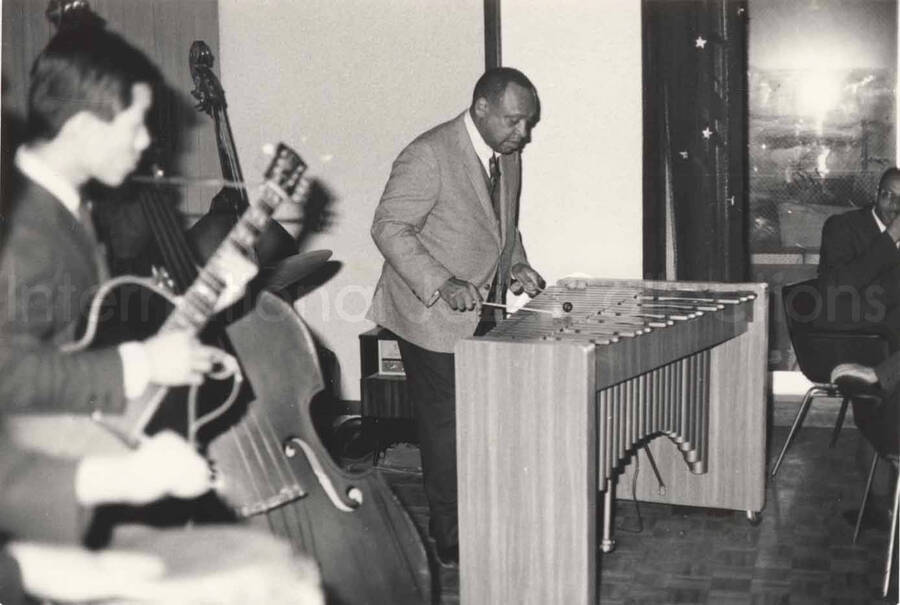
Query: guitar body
[
  {"x": 279, "y": 476},
  {"x": 126, "y": 308},
  {"x": 275, "y": 472}
]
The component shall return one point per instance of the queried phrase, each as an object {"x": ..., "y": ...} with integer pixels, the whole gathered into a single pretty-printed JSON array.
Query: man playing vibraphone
[{"x": 446, "y": 225}]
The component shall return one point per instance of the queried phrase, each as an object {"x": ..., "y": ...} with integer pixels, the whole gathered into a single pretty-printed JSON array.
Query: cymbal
[{"x": 292, "y": 269}]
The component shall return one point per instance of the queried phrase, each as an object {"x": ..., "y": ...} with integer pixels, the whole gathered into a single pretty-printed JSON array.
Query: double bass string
[
  {"x": 281, "y": 521},
  {"x": 301, "y": 521},
  {"x": 169, "y": 233}
]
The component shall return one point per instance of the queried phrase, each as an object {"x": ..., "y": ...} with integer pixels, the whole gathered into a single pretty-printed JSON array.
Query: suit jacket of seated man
[
  {"x": 49, "y": 270},
  {"x": 436, "y": 221},
  {"x": 859, "y": 272},
  {"x": 37, "y": 502},
  {"x": 37, "y": 496}
]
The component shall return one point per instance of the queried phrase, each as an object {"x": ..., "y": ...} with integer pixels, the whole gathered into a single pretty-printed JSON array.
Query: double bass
[
  {"x": 275, "y": 471},
  {"x": 281, "y": 476}
]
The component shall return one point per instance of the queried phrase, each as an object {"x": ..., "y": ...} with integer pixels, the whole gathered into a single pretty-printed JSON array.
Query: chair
[
  {"x": 878, "y": 422},
  {"x": 819, "y": 349}
]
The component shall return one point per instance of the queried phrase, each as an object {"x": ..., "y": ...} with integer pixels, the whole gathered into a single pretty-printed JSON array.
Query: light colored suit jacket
[{"x": 435, "y": 221}]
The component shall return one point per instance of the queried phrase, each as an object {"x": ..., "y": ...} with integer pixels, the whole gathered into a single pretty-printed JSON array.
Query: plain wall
[
  {"x": 582, "y": 191},
  {"x": 347, "y": 84},
  {"x": 350, "y": 83}
]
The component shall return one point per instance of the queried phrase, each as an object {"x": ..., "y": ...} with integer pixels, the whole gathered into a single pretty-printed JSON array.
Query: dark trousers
[{"x": 431, "y": 385}]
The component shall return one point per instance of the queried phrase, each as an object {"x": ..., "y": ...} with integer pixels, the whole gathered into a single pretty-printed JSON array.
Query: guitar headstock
[
  {"x": 207, "y": 88},
  {"x": 285, "y": 173}
]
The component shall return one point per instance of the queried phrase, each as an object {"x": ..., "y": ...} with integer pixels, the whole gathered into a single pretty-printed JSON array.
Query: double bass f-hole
[{"x": 353, "y": 494}]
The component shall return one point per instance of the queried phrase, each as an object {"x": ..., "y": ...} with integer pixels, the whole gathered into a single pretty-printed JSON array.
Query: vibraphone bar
[{"x": 552, "y": 407}]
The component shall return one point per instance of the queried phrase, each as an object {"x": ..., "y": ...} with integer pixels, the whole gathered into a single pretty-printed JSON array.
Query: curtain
[{"x": 694, "y": 78}]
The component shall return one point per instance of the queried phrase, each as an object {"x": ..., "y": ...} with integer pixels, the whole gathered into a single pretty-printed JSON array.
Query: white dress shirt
[{"x": 482, "y": 149}]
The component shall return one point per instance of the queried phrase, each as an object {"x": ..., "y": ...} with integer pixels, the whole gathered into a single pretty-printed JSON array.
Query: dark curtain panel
[
  {"x": 694, "y": 74},
  {"x": 492, "y": 47}
]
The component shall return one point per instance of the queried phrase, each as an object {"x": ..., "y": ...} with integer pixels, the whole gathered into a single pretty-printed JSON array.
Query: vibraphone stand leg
[
  {"x": 661, "y": 489},
  {"x": 607, "y": 544}
]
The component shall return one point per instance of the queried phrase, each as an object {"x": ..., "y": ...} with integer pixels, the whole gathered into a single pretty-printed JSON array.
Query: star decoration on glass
[
  {"x": 700, "y": 42},
  {"x": 706, "y": 132},
  {"x": 683, "y": 154}
]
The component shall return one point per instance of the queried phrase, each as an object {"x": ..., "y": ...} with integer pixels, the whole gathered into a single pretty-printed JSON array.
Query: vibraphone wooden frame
[{"x": 527, "y": 451}]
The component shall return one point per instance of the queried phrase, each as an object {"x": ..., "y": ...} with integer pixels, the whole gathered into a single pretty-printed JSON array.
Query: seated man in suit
[{"x": 859, "y": 266}]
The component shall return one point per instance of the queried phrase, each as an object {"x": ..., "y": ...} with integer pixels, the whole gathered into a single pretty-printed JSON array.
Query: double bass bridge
[{"x": 285, "y": 495}]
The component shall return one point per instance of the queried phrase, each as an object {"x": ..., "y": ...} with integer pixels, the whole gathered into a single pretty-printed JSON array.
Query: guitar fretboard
[{"x": 198, "y": 303}]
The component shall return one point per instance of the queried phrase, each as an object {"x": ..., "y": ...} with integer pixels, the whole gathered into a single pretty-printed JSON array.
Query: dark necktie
[
  {"x": 494, "y": 165},
  {"x": 87, "y": 221},
  {"x": 491, "y": 315}
]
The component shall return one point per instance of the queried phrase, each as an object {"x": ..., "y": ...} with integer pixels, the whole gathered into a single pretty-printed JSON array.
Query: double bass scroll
[{"x": 275, "y": 243}]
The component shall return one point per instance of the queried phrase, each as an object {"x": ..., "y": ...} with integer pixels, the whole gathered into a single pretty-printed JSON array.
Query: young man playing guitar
[
  {"x": 89, "y": 95},
  {"x": 90, "y": 92}
]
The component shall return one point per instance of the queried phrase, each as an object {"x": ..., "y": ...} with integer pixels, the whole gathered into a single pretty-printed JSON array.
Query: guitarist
[{"x": 89, "y": 95}]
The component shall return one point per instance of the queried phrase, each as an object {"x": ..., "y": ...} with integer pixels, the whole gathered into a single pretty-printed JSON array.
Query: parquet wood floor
[{"x": 800, "y": 553}]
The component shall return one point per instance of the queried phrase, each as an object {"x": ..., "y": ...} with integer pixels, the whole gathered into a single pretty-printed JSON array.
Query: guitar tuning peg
[{"x": 301, "y": 190}]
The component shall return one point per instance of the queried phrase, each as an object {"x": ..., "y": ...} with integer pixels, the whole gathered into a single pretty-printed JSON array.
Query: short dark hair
[
  {"x": 891, "y": 173},
  {"x": 86, "y": 68},
  {"x": 493, "y": 83}
]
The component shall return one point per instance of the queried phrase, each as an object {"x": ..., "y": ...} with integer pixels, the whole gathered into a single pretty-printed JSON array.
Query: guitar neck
[{"x": 198, "y": 303}]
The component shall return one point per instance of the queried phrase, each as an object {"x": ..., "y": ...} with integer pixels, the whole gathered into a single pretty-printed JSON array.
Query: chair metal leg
[
  {"x": 840, "y": 422},
  {"x": 862, "y": 506},
  {"x": 798, "y": 420},
  {"x": 886, "y": 583}
]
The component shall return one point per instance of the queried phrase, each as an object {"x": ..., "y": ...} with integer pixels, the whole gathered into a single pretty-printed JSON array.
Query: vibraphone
[{"x": 552, "y": 408}]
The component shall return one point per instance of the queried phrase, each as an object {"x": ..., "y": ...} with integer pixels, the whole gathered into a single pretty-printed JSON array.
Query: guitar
[{"x": 76, "y": 436}]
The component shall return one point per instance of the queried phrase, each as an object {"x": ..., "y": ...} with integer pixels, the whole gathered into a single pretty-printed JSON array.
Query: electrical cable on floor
[{"x": 637, "y": 508}]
